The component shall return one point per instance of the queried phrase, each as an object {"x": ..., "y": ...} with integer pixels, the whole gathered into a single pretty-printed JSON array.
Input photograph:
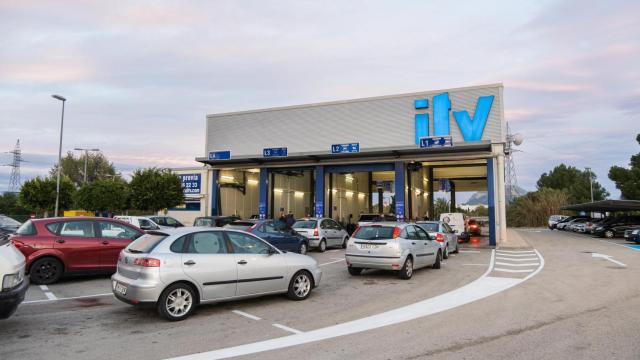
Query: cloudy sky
[{"x": 140, "y": 76}]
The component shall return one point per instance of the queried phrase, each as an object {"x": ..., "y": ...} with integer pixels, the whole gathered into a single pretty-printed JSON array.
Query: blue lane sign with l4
[
  {"x": 436, "y": 141},
  {"x": 220, "y": 155},
  {"x": 273, "y": 152},
  {"x": 345, "y": 148}
]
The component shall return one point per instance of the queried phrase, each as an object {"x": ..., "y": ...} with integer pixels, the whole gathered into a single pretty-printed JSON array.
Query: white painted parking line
[
  {"x": 44, "y": 288},
  {"x": 286, "y": 328},
  {"x": 515, "y": 255},
  {"x": 515, "y": 251},
  {"x": 609, "y": 258},
  {"x": 514, "y": 270},
  {"x": 511, "y": 264},
  {"x": 247, "y": 315},
  {"x": 332, "y": 262},
  {"x": 48, "y": 292},
  {"x": 67, "y": 298},
  {"x": 516, "y": 259}
]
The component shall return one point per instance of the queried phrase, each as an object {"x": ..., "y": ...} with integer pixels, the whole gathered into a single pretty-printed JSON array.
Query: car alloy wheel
[
  {"x": 303, "y": 249},
  {"x": 344, "y": 242},
  {"x": 46, "y": 271},
  {"x": 608, "y": 234},
  {"x": 179, "y": 302},
  {"x": 300, "y": 286},
  {"x": 323, "y": 245},
  {"x": 407, "y": 270}
]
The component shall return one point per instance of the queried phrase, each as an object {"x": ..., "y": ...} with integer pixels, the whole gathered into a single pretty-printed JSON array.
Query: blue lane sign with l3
[
  {"x": 220, "y": 155},
  {"x": 273, "y": 152},
  {"x": 435, "y": 141},
  {"x": 345, "y": 148}
]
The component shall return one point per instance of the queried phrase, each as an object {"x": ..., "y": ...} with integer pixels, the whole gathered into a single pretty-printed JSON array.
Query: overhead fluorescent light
[
  {"x": 299, "y": 194},
  {"x": 252, "y": 182},
  {"x": 279, "y": 191},
  {"x": 227, "y": 177}
]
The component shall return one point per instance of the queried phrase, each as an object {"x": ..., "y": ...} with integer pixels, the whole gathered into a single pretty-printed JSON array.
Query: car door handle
[
  {"x": 105, "y": 242},
  {"x": 242, "y": 262},
  {"x": 60, "y": 241},
  {"x": 190, "y": 262}
]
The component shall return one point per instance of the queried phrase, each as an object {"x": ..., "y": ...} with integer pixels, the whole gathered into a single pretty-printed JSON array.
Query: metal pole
[
  {"x": 55, "y": 214},
  {"x": 86, "y": 158}
]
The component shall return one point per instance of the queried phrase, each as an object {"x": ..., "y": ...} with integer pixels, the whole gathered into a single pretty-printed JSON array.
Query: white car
[
  {"x": 443, "y": 234},
  {"x": 322, "y": 232},
  {"x": 458, "y": 223},
  {"x": 142, "y": 222},
  {"x": 14, "y": 285},
  {"x": 555, "y": 219}
]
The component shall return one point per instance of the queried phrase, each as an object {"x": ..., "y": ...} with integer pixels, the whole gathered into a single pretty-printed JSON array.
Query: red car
[{"x": 58, "y": 246}]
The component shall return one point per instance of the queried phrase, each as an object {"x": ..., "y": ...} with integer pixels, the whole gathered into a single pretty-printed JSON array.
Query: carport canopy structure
[{"x": 606, "y": 206}]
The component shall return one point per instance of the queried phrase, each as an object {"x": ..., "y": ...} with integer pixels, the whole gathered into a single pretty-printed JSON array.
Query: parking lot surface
[{"x": 577, "y": 306}]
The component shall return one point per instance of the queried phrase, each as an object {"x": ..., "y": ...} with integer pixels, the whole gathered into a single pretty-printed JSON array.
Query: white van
[
  {"x": 14, "y": 285},
  {"x": 142, "y": 222},
  {"x": 458, "y": 223}
]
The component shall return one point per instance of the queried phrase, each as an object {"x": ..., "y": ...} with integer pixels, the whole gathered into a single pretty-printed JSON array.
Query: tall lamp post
[
  {"x": 590, "y": 181},
  {"x": 86, "y": 159},
  {"x": 61, "y": 98}
]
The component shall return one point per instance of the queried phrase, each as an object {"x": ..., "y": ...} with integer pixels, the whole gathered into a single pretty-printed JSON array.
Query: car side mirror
[{"x": 272, "y": 251}]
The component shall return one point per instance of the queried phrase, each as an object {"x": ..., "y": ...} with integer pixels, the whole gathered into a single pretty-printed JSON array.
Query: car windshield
[
  {"x": 374, "y": 233},
  {"x": 305, "y": 224},
  {"x": 146, "y": 243},
  {"x": 7, "y": 221},
  {"x": 239, "y": 225},
  {"x": 429, "y": 226}
]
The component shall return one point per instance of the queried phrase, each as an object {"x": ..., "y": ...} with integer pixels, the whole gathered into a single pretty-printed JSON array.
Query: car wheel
[
  {"x": 46, "y": 271},
  {"x": 436, "y": 265},
  {"x": 446, "y": 252},
  {"x": 354, "y": 271},
  {"x": 300, "y": 286},
  {"x": 344, "y": 242},
  {"x": 407, "y": 270},
  {"x": 609, "y": 234},
  {"x": 303, "y": 248},
  {"x": 323, "y": 245},
  {"x": 177, "y": 302}
]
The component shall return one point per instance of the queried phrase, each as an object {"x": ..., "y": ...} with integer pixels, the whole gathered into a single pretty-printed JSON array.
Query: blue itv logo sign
[{"x": 471, "y": 129}]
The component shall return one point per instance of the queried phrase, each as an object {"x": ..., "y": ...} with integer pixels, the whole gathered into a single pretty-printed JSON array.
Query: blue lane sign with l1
[
  {"x": 435, "y": 141},
  {"x": 273, "y": 152},
  {"x": 345, "y": 148},
  {"x": 220, "y": 155}
]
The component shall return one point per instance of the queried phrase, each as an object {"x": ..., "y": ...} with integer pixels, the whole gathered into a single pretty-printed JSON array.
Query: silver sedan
[{"x": 179, "y": 269}]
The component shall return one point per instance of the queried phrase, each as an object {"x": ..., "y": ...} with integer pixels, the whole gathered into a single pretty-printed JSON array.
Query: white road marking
[
  {"x": 332, "y": 251},
  {"x": 514, "y": 255},
  {"x": 67, "y": 298},
  {"x": 516, "y": 259},
  {"x": 608, "y": 257},
  {"x": 469, "y": 251},
  {"x": 514, "y": 271},
  {"x": 611, "y": 242},
  {"x": 242, "y": 313},
  {"x": 474, "y": 264},
  {"x": 478, "y": 289},
  {"x": 44, "y": 288},
  {"x": 515, "y": 251},
  {"x": 48, "y": 292},
  {"x": 337, "y": 258},
  {"x": 332, "y": 262},
  {"x": 511, "y": 264},
  {"x": 286, "y": 328}
]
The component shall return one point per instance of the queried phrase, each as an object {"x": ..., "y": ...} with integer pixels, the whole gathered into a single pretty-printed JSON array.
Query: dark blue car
[{"x": 275, "y": 232}]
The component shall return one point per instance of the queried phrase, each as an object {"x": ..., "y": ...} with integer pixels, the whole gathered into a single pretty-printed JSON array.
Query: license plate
[
  {"x": 369, "y": 246},
  {"x": 121, "y": 289}
]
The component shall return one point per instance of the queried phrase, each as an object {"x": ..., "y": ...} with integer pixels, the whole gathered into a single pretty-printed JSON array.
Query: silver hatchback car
[
  {"x": 179, "y": 269},
  {"x": 322, "y": 232},
  {"x": 392, "y": 246}
]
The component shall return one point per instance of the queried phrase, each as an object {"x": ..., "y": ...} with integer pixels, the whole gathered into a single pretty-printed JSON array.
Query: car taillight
[
  {"x": 439, "y": 237},
  {"x": 396, "y": 232},
  {"x": 252, "y": 228},
  {"x": 315, "y": 232},
  {"x": 17, "y": 244},
  {"x": 147, "y": 262}
]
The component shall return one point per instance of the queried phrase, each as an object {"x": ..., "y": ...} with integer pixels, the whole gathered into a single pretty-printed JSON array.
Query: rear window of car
[
  {"x": 429, "y": 226},
  {"x": 7, "y": 221},
  {"x": 305, "y": 224},
  {"x": 374, "y": 233},
  {"x": 368, "y": 217},
  {"x": 244, "y": 226},
  {"x": 146, "y": 243},
  {"x": 27, "y": 229},
  {"x": 203, "y": 222}
]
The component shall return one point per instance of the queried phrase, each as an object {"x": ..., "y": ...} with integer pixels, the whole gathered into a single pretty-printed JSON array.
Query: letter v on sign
[{"x": 472, "y": 130}]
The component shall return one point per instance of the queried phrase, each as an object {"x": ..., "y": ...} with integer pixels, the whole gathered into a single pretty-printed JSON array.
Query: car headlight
[
  {"x": 599, "y": 228},
  {"x": 12, "y": 280},
  {"x": 635, "y": 232}
]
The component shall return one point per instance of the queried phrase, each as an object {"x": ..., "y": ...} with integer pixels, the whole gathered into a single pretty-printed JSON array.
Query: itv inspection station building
[{"x": 386, "y": 154}]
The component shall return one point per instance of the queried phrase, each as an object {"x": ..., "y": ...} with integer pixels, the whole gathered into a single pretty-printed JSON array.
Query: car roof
[{"x": 386, "y": 223}]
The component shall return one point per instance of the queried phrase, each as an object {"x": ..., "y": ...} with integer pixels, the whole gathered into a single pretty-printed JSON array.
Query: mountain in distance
[{"x": 481, "y": 197}]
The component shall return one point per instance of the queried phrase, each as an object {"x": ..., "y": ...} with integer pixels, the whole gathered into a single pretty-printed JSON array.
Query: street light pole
[
  {"x": 61, "y": 98},
  {"x": 590, "y": 181},
  {"x": 86, "y": 158}
]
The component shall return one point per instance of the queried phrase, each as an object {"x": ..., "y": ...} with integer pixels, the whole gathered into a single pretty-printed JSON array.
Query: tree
[
  {"x": 39, "y": 194},
  {"x": 155, "y": 189},
  {"x": 103, "y": 195},
  {"x": 628, "y": 180},
  {"x": 98, "y": 168},
  {"x": 10, "y": 206},
  {"x": 534, "y": 208},
  {"x": 440, "y": 206},
  {"x": 574, "y": 182}
]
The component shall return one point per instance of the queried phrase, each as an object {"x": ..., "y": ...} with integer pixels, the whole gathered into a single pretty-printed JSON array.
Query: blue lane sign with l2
[
  {"x": 435, "y": 141},
  {"x": 273, "y": 152},
  {"x": 345, "y": 148},
  {"x": 220, "y": 155}
]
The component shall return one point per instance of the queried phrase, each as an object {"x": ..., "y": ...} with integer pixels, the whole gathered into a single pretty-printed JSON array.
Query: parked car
[
  {"x": 577, "y": 225},
  {"x": 166, "y": 221},
  {"x": 617, "y": 226},
  {"x": 554, "y": 220},
  {"x": 561, "y": 225},
  {"x": 474, "y": 227},
  {"x": 633, "y": 235},
  {"x": 443, "y": 234},
  {"x": 458, "y": 223},
  {"x": 322, "y": 232},
  {"x": 214, "y": 221},
  {"x": 369, "y": 218},
  {"x": 57, "y": 246},
  {"x": 282, "y": 238},
  {"x": 8, "y": 225},
  {"x": 593, "y": 223},
  {"x": 14, "y": 284},
  {"x": 181, "y": 268},
  {"x": 392, "y": 246},
  {"x": 141, "y": 222}
]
